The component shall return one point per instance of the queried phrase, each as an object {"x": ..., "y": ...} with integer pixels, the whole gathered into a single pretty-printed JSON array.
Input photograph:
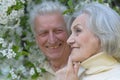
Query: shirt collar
[
  {"x": 48, "y": 68},
  {"x": 99, "y": 63}
]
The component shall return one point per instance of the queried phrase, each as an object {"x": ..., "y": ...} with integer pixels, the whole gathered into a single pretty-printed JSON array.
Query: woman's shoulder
[{"x": 111, "y": 74}]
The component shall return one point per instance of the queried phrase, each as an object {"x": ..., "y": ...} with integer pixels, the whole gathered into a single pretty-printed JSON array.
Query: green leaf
[
  {"x": 23, "y": 21},
  {"x": 28, "y": 64},
  {"x": 18, "y": 6},
  {"x": 35, "y": 76},
  {"x": 24, "y": 53},
  {"x": 19, "y": 54},
  {"x": 0, "y": 46},
  {"x": 37, "y": 1},
  {"x": 68, "y": 11},
  {"x": 43, "y": 70},
  {"x": 70, "y": 4},
  {"x": 9, "y": 75},
  {"x": 15, "y": 48}
]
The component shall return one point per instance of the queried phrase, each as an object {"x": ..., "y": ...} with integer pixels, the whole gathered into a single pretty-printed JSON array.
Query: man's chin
[{"x": 54, "y": 57}]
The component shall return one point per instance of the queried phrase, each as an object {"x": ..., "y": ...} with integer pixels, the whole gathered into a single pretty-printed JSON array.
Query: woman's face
[{"x": 83, "y": 42}]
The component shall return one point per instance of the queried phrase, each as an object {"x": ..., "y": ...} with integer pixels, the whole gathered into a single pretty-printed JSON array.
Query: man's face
[{"x": 51, "y": 35}]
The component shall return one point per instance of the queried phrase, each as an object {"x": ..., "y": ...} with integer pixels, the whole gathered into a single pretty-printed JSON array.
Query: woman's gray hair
[
  {"x": 48, "y": 7},
  {"x": 105, "y": 24}
]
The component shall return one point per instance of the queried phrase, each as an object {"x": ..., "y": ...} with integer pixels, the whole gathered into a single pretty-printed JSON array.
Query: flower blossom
[
  {"x": 13, "y": 75},
  {"x": 9, "y": 53},
  {"x": 32, "y": 72}
]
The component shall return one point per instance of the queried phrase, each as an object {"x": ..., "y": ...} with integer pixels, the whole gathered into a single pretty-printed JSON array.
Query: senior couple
[{"x": 86, "y": 49}]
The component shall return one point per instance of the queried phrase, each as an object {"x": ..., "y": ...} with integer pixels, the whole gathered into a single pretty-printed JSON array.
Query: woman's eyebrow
[{"x": 75, "y": 26}]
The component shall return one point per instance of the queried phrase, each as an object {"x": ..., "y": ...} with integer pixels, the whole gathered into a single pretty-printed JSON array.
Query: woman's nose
[{"x": 70, "y": 40}]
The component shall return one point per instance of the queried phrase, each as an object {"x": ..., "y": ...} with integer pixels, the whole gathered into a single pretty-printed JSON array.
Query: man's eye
[
  {"x": 58, "y": 31},
  {"x": 42, "y": 34}
]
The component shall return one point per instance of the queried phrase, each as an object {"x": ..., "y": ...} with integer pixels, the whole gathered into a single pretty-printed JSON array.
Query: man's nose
[{"x": 52, "y": 38}]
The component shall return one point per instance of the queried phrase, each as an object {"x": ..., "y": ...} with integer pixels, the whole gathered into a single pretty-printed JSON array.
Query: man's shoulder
[
  {"x": 46, "y": 67},
  {"x": 48, "y": 73}
]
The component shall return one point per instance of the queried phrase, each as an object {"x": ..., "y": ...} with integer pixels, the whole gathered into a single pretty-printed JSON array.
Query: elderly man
[{"x": 51, "y": 32}]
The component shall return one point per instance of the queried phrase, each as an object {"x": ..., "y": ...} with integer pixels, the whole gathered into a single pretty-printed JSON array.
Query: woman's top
[{"x": 101, "y": 67}]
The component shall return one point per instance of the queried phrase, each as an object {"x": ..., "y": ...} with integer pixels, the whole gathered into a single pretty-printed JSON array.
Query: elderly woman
[{"x": 95, "y": 42}]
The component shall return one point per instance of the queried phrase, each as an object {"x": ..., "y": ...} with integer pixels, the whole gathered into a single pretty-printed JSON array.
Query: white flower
[
  {"x": 8, "y": 2},
  {"x": 22, "y": 68},
  {"x": 1, "y": 40},
  {"x": 13, "y": 15},
  {"x": 6, "y": 18},
  {"x": 19, "y": 31},
  {"x": 32, "y": 72},
  {"x": 3, "y": 18},
  {"x": 4, "y": 8},
  {"x": 9, "y": 53},
  {"x": 4, "y": 44},
  {"x": 39, "y": 70},
  {"x": 14, "y": 76},
  {"x": 5, "y": 69},
  {"x": 23, "y": 1}
]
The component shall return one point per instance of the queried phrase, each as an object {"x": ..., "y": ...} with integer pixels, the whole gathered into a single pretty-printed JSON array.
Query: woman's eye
[{"x": 78, "y": 30}]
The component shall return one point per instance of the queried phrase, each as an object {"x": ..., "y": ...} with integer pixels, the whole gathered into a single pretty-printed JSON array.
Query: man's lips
[{"x": 54, "y": 47}]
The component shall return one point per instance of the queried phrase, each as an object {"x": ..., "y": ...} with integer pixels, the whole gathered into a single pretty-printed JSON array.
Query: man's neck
[{"x": 58, "y": 64}]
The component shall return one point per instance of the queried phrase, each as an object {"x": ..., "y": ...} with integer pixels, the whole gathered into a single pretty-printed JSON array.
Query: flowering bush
[
  {"x": 20, "y": 58},
  {"x": 15, "y": 43}
]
